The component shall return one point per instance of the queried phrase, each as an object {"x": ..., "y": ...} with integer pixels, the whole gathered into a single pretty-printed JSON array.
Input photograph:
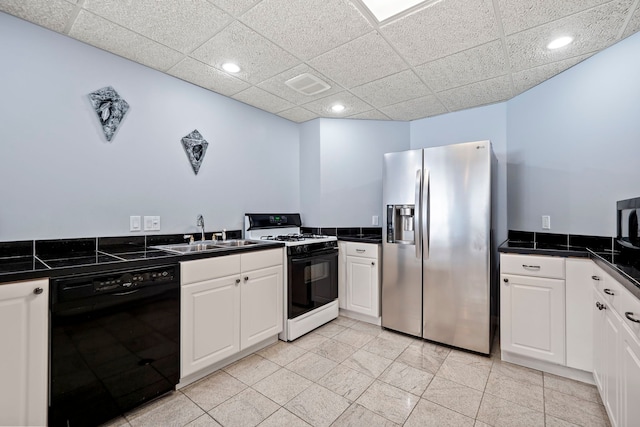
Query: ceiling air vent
[{"x": 307, "y": 84}]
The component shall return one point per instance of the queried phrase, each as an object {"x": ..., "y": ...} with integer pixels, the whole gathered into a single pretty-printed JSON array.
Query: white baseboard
[
  {"x": 551, "y": 368},
  {"x": 361, "y": 317}
]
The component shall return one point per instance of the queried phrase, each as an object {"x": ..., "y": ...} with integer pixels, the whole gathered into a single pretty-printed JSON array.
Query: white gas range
[{"x": 311, "y": 274}]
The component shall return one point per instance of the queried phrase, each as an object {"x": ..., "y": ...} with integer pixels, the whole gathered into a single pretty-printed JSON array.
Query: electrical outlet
[
  {"x": 374, "y": 220},
  {"x": 546, "y": 222},
  {"x": 134, "y": 223}
]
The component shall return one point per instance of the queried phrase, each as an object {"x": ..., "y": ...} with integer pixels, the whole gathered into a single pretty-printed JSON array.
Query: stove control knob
[{"x": 305, "y": 248}]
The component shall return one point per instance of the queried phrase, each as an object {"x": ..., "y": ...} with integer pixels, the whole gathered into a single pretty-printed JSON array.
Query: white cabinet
[
  {"x": 579, "y": 312},
  {"x": 228, "y": 304},
  {"x": 630, "y": 379},
  {"x": 532, "y": 307},
  {"x": 24, "y": 334},
  {"x": 359, "y": 294}
]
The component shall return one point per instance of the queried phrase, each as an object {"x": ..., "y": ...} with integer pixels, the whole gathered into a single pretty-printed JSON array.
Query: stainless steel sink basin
[{"x": 205, "y": 246}]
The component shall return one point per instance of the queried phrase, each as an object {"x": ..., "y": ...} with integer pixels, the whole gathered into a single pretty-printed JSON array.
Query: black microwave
[{"x": 628, "y": 214}]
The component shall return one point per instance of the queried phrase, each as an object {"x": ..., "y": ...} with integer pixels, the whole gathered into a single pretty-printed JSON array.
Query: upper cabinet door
[{"x": 24, "y": 332}]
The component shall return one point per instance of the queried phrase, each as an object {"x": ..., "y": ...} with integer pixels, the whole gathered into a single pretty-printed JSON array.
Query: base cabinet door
[
  {"x": 630, "y": 380},
  {"x": 342, "y": 275},
  {"x": 599, "y": 350},
  {"x": 611, "y": 368},
  {"x": 24, "y": 334},
  {"x": 362, "y": 291},
  {"x": 261, "y": 302},
  {"x": 210, "y": 326},
  {"x": 533, "y": 317}
]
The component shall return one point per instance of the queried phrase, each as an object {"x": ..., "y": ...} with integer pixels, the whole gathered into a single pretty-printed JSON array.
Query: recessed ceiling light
[
  {"x": 230, "y": 67},
  {"x": 559, "y": 42},
  {"x": 337, "y": 108},
  {"x": 384, "y": 9}
]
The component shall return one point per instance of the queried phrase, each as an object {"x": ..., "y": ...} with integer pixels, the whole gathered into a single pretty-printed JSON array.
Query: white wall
[
  {"x": 574, "y": 144},
  {"x": 60, "y": 178},
  {"x": 341, "y": 162},
  {"x": 471, "y": 125}
]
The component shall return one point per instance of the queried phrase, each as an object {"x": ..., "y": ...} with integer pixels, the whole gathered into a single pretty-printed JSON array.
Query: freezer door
[
  {"x": 456, "y": 231},
  {"x": 401, "y": 256}
]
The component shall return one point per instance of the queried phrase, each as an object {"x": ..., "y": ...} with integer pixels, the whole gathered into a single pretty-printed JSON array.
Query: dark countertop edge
[
  {"x": 170, "y": 259},
  {"x": 549, "y": 252},
  {"x": 631, "y": 284},
  {"x": 360, "y": 239}
]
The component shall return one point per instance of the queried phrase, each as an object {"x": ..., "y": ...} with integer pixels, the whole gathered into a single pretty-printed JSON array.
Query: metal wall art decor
[
  {"x": 195, "y": 147},
  {"x": 110, "y": 108}
]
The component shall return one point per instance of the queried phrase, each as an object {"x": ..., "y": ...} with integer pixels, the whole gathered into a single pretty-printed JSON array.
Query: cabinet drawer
[
  {"x": 630, "y": 309},
  {"x": 609, "y": 287},
  {"x": 368, "y": 250},
  {"x": 261, "y": 259},
  {"x": 531, "y": 265},
  {"x": 209, "y": 268}
]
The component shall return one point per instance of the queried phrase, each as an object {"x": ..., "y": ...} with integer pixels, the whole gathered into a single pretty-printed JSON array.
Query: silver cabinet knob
[
  {"x": 237, "y": 281},
  {"x": 38, "y": 291},
  {"x": 246, "y": 278}
]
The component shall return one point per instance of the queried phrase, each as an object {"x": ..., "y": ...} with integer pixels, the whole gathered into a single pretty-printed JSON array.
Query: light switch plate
[
  {"x": 546, "y": 222},
  {"x": 148, "y": 223},
  {"x": 134, "y": 223},
  {"x": 374, "y": 220}
]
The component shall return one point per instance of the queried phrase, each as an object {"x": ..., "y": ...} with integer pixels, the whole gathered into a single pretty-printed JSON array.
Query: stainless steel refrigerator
[{"x": 438, "y": 258}]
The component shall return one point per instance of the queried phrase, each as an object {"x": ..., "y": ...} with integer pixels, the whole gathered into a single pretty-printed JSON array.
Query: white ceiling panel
[
  {"x": 52, "y": 14},
  {"x": 276, "y": 85},
  {"x": 489, "y": 91},
  {"x": 592, "y": 30},
  {"x": 525, "y": 80},
  {"x": 262, "y": 99},
  {"x": 370, "y": 115},
  {"x": 360, "y": 61},
  {"x": 425, "y": 106},
  {"x": 392, "y": 89},
  {"x": 307, "y": 28},
  {"x": 207, "y": 77},
  {"x": 258, "y": 58},
  {"x": 182, "y": 25},
  {"x": 442, "y": 28},
  {"x": 234, "y": 7},
  {"x": 478, "y": 63},
  {"x": 297, "y": 114},
  {"x": 104, "y": 34},
  {"x": 519, "y": 15},
  {"x": 437, "y": 56},
  {"x": 353, "y": 105}
]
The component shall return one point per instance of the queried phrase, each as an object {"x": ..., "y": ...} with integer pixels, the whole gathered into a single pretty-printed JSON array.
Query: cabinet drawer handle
[
  {"x": 237, "y": 281},
  {"x": 373, "y": 263},
  {"x": 600, "y": 306},
  {"x": 531, "y": 267},
  {"x": 629, "y": 315},
  {"x": 506, "y": 281},
  {"x": 38, "y": 291},
  {"x": 246, "y": 278},
  {"x": 595, "y": 277},
  {"x": 360, "y": 251},
  {"x": 609, "y": 292}
]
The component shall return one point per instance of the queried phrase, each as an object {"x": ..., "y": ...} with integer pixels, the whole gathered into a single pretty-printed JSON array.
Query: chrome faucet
[{"x": 200, "y": 224}]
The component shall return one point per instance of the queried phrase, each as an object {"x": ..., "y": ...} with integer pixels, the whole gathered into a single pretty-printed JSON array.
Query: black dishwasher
[{"x": 115, "y": 342}]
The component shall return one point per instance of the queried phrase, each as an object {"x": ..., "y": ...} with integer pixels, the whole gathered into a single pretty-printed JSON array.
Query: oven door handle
[{"x": 315, "y": 254}]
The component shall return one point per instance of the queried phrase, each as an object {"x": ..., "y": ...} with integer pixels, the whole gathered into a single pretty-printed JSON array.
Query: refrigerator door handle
[
  {"x": 417, "y": 235},
  {"x": 425, "y": 208}
]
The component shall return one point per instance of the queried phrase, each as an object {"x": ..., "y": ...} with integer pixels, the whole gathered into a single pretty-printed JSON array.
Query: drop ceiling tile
[
  {"x": 258, "y": 58},
  {"x": 392, "y": 89},
  {"x": 207, "y": 77},
  {"x": 481, "y": 93},
  {"x": 234, "y": 7},
  {"x": 52, "y": 14},
  {"x": 418, "y": 108},
  {"x": 442, "y": 28},
  {"x": 298, "y": 114},
  {"x": 468, "y": 66},
  {"x": 353, "y": 104},
  {"x": 634, "y": 24},
  {"x": 526, "y": 79},
  {"x": 592, "y": 30},
  {"x": 370, "y": 115},
  {"x": 262, "y": 99},
  {"x": 180, "y": 24},
  {"x": 360, "y": 61},
  {"x": 106, "y": 35},
  {"x": 519, "y": 15},
  {"x": 277, "y": 86},
  {"x": 307, "y": 28}
]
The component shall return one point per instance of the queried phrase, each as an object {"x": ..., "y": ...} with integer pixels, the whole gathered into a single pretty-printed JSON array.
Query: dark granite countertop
[
  {"x": 27, "y": 260},
  {"x": 362, "y": 238}
]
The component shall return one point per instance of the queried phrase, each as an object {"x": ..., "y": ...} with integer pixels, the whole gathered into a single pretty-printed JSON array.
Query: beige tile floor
[{"x": 349, "y": 373}]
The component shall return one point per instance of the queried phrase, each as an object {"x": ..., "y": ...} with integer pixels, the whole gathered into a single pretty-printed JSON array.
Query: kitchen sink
[{"x": 203, "y": 246}]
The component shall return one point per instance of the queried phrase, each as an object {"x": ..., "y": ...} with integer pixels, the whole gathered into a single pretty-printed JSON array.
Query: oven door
[{"x": 312, "y": 281}]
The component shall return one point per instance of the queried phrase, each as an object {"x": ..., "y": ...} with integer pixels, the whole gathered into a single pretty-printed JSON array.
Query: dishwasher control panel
[{"x": 133, "y": 280}]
